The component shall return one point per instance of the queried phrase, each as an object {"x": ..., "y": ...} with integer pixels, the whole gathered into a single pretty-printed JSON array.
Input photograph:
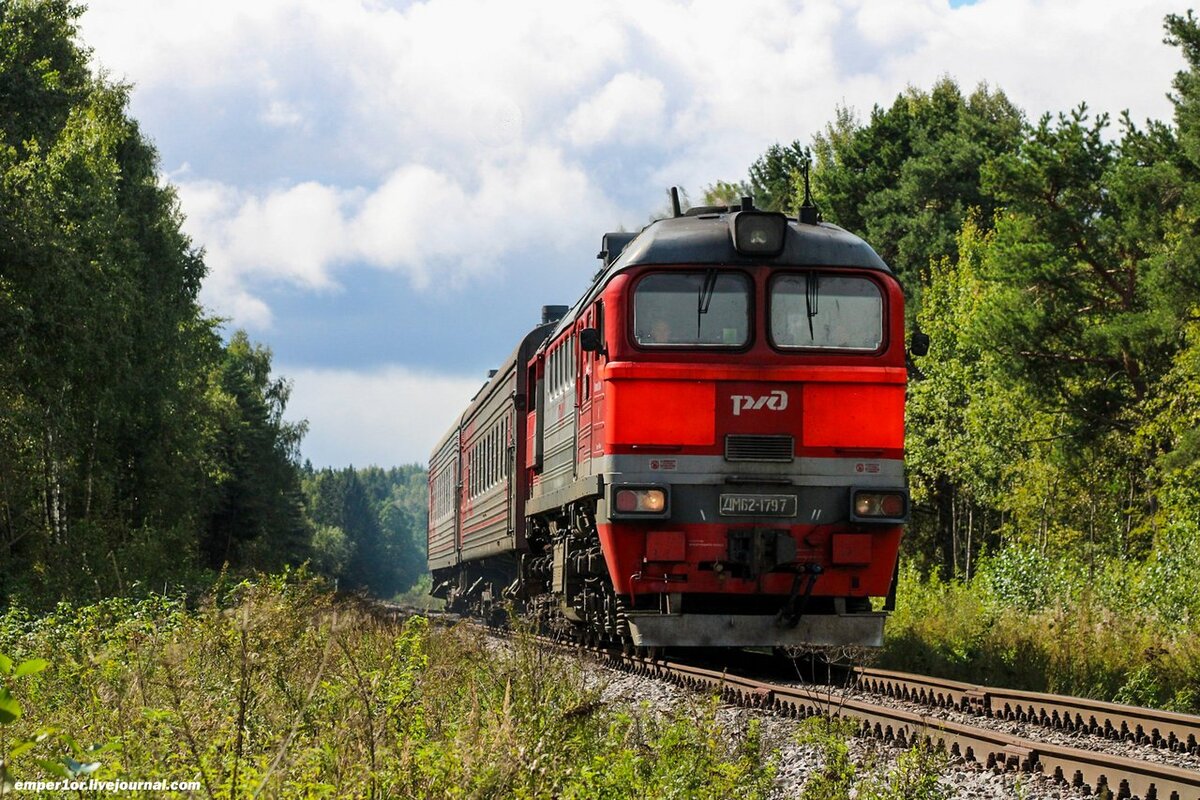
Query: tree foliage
[
  {"x": 1062, "y": 330},
  {"x": 777, "y": 175},
  {"x": 907, "y": 179},
  {"x": 1077, "y": 263},
  {"x": 136, "y": 445},
  {"x": 371, "y": 525},
  {"x": 255, "y": 495}
]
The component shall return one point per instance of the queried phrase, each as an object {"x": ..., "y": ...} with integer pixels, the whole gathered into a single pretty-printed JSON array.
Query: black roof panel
[{"x": 705, "y": 240}]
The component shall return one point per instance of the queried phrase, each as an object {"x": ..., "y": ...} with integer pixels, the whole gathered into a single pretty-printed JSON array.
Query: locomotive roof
[{"x": 704, "y": 239}]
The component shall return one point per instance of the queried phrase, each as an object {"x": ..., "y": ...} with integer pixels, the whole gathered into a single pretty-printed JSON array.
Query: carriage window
[
  {"x": 571, "y": 361},
  {"x": 708, "y": 308},
  {"x": 828, "y": 312}
]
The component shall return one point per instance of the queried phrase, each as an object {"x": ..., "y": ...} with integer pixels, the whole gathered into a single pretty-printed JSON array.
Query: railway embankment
[
  {"x": 818, "y": 758},
  {"x": 947, "y": 739}
]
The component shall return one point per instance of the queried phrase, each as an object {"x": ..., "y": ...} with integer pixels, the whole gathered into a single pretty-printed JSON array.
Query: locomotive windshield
[
  {"x": 828, "y": 312},
  {"x": 709, "y": 308}
]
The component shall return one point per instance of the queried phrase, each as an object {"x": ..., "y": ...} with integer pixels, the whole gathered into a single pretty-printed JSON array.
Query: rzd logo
[{"x": 775, "y": 401}]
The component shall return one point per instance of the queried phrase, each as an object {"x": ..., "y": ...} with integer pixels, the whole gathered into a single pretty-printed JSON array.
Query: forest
[
  {"x": 1053, "y": 436},
  {"x": 142, "y": 447}
]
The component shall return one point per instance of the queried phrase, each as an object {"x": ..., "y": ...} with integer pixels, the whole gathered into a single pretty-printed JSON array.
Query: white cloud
[
  {"x": 1047, "y": 56},
  {"x": 419, "y": 216},
  {"x": 294, "y": 233},
  {"x": 416, "y": 215},
  {"x": 388, "y": 77},
  {"x": 281, "y": 114},
  {"x": 466, "y": 123},
  {"x": 882, "y": 25},
  {"x": 442, "y": 76},
  {"x": 289, "y": 235},
  {"x": 417, "y": 219},
  {"x": 387, "y": 416},
  {"x": 628, "y": 109},
  {"x": 206, "y": 205},
  {"x": 225, "y": 297}
]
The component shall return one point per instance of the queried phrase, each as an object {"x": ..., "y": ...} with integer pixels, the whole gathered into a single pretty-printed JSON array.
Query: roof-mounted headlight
[{"x": 758, "y": 233}]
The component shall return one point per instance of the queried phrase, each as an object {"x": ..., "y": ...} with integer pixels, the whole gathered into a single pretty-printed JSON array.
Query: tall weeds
[
  {"x": 276, "y": 689},
  {"x": 1046, "y": 627}
]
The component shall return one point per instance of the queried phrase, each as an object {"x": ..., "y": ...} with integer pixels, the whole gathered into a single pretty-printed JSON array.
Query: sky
[{"x": 388, "y": 192}]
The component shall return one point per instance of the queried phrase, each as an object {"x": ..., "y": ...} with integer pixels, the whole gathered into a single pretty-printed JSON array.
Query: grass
[
  {"x": 278, "y": 689},
  {"x": 1079, "y": 639}
]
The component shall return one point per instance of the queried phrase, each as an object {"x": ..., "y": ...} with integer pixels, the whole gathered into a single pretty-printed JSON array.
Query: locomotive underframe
[{"x": 563, "y": 582}]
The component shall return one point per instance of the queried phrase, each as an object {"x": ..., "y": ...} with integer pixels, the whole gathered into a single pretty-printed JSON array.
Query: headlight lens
[
  {"x": 883, "y": 505},
  {"x": 758, "y": 233},
  {"x": 640, "y": 501}
]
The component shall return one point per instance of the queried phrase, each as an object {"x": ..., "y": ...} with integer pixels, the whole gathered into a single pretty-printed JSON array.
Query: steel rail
[
  {"x": 1175, "y": 731},
  {"x": 1124, "y": 777}
]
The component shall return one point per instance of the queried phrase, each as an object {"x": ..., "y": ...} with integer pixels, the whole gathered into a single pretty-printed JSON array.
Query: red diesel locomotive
[{"x": 705, "y": 450}]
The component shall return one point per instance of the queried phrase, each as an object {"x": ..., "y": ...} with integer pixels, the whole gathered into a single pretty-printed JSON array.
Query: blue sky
[{"x": 388, "y": 192}]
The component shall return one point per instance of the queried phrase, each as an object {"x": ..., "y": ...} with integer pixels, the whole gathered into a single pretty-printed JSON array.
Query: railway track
[
  {"x": 1146, "y": 726},
  {"x": 1095, "y": 771}
]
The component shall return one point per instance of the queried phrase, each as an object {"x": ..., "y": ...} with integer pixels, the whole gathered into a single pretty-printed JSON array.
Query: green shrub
[{"x": 837, "y": 777}]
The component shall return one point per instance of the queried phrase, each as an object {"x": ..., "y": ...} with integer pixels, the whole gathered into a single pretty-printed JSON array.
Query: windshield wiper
[
  {"x": 705, "y": 298},
  {"x": 812, "y": 297}
]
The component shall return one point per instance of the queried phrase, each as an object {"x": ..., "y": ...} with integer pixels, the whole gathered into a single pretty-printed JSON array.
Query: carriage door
[
  {"x": 571, "y": 399},
  {"x": 583, "y": 400}
]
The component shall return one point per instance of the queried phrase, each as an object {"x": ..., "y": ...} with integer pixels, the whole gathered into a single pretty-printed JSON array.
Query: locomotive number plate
[{"x": 758, "y": 505}]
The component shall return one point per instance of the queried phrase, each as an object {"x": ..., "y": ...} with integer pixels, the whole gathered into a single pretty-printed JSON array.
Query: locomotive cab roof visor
[{"x": 758, "y": 233}]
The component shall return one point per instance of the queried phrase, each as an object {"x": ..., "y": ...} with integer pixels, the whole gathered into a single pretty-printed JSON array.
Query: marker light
[
  {"x": 880, "y": 505},
  {"x": 640, "y": 501},
  {"x": 758, "y": 233}
]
